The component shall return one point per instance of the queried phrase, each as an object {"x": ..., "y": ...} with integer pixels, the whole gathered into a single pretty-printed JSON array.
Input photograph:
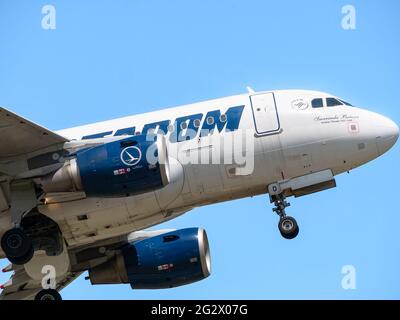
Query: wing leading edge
[{"x": 20, "y": 136}]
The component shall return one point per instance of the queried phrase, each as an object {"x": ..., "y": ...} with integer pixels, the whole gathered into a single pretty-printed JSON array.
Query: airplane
[{"x": 83, "y": 199}]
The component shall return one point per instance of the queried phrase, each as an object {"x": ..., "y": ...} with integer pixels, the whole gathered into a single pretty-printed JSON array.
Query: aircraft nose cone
[{"x": 389, "y": 133}]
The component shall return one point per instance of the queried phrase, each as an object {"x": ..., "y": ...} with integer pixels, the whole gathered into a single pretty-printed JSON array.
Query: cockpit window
[
  {"x": 317, "y": 103},
  {"x": 346, "y": 103},
  {"x": 332, "y": 102}
]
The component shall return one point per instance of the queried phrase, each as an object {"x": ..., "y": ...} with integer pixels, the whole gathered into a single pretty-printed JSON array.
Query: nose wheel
[
  {"x": 48, "y": 294},
  {"x": 287, "y": 225}
]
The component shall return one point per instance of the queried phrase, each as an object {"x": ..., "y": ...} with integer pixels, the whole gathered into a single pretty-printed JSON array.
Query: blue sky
[{"x": 107, "y": 59}]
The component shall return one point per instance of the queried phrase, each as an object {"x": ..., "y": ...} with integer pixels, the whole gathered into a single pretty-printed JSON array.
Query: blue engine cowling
[
  {"x": 125, "y": 167},
  {"x": 165, "y": 261}
]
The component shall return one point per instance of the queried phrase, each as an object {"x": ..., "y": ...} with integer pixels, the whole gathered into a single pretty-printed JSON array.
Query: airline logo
[
  {"x": 184, "y": 128},
  {"x": 131, "y": 156}
]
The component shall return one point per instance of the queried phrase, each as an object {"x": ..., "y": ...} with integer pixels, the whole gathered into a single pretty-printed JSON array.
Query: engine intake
[
  {"x": 120, "y": 168},
  {"x": 164, "y": 261}
]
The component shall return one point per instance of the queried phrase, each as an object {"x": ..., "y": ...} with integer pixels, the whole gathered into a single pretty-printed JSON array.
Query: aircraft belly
[
  {"x": 93, "y": 219},
  {"x": 272, "y": 162},
  {"x": 205, "y": 179},
  {"x": 60, "y": 264}
]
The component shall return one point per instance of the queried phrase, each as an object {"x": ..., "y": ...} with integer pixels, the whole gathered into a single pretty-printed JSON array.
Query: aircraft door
[{"x": 265, "y": 113}]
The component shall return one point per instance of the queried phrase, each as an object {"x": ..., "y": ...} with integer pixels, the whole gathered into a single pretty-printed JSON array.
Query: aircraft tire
[
  {"x": 17, "y": 246},
  {"x": 48, "y": 294},
  {"x": 288, "y": 227}
]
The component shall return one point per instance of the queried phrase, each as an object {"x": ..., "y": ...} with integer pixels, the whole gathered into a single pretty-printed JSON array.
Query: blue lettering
[
  {"x": 230, "y": 120},
  {"x": 97, "y": 135},
  {"x": 187, "y": 127},
  {"x": 126, "y": 131},
  {"x": 162, "y": 127}
]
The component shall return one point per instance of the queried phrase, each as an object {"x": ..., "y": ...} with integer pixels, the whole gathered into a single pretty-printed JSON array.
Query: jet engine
[
  {"x": 168, "y": 260},
  {"x": 125, "y": 167}
]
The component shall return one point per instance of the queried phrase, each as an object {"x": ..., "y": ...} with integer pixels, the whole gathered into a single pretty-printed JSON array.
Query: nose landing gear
[
  {"x": 287, "y": 225},
  {"x": 48, "y": 294}
]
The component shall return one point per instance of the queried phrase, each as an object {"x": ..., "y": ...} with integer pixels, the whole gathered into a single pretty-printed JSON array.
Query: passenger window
[
  {"x": 317, "y": 103},
  {"x": 222, "y": 118},
  {"x": 210, "y": 121},
  {"x": 196, "y": 123},
  {"x": 332, "y": 102}
]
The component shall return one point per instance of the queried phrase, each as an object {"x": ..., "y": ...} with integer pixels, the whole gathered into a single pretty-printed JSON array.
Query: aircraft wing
[
  {"x": 20, "y": 136},
  {"x": 22, "y": 287}
]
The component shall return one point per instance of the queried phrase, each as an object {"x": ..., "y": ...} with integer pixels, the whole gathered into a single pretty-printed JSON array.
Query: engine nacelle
[
  {"x": 125, "y": 167},
  {"x": 165, "y": 261}
]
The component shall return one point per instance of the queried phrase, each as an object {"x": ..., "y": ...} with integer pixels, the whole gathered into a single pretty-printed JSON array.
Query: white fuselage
[{"x": 290, "y": 139}]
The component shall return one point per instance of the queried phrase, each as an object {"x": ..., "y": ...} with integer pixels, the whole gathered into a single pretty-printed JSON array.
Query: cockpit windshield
[
  {"x": 317, "y": 103},
  {"x": 328, "y": 102},
  {"x": 332, "y": 102},
  {"x": 346, "y": 103}
]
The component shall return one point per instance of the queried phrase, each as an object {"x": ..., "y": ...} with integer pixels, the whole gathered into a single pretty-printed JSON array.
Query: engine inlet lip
[{"x": 204, "y": 250}]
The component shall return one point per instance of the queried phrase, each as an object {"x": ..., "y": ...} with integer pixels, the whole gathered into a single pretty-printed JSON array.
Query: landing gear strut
[
  {"x": 288, "y": 226},
  {"x": 15, "y": 243}
]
